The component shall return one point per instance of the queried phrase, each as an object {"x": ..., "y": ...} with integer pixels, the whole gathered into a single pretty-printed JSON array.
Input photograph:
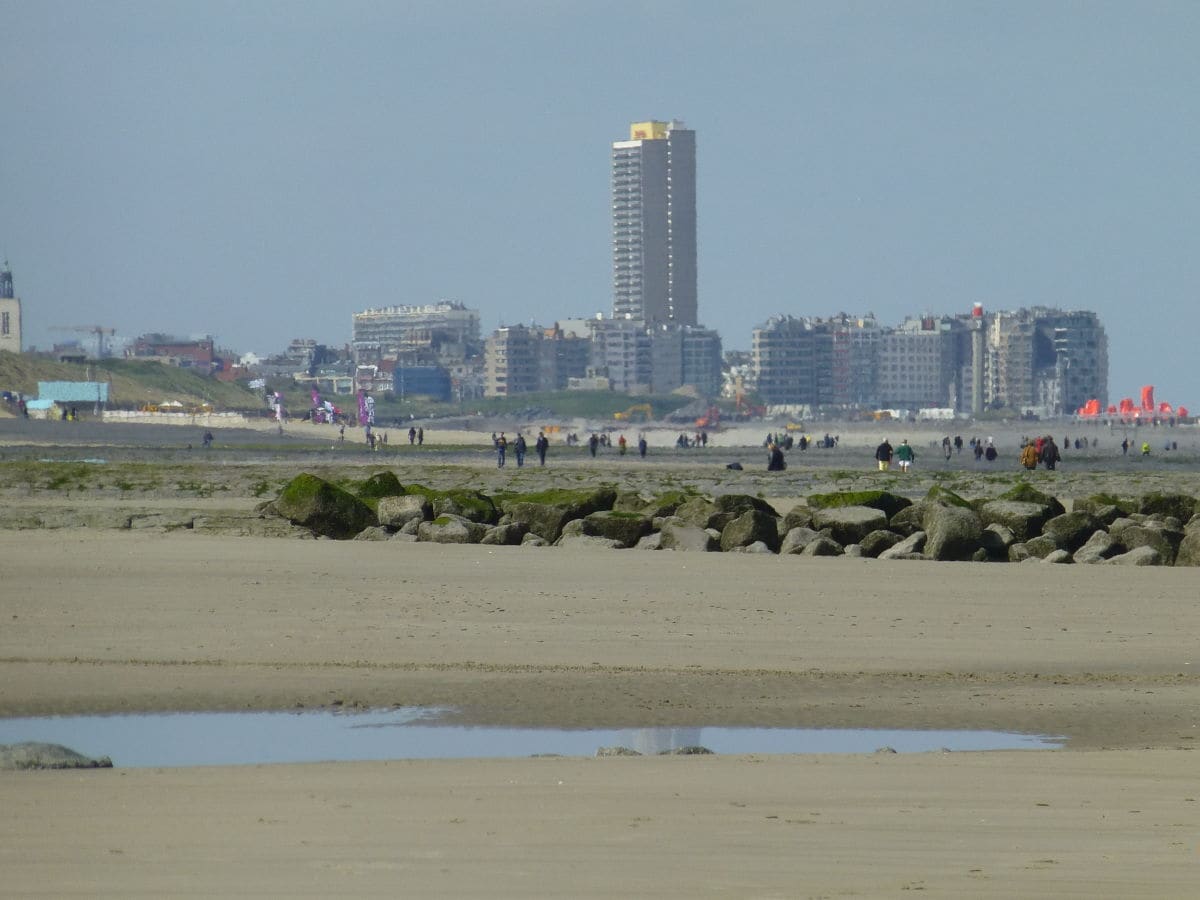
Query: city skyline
[{"x": 260, "y": 173}]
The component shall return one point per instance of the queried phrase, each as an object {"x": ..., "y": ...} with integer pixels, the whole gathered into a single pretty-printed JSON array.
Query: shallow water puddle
[{"x": 252, "y": 738}]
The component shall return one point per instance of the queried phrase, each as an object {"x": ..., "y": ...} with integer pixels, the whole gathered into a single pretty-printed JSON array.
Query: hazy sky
[{"x": 261, "y": 170}]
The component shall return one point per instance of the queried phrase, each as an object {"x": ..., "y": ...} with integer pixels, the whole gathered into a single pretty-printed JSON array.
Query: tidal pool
[{"x": 255, "y": 738}]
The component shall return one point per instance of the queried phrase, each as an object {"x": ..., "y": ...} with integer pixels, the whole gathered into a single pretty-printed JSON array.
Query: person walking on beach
[
  {"x": 593, "y": 443},
  {"x": 542, "y": 445},
  {"x": 621, "y": 444},
  {"x": 501, "y": 450},
  {"x": 883, "y": 455},
  {"x": 420, "y": 436},
  {"x": 1125, "y": 447},
  {"x": 1029, "y": 456},
  {"x": 519, "y": 449},
  {"x": 1050, "y": 455},
  {"x": 990, "y": 453},
  {"x": 945, "y": 446},
  {"x": 642, "y": 446},
  {"x": 905, "y": 454},
  {"x": 412, "y": 436},
  {"x": 775, "y": 460}
]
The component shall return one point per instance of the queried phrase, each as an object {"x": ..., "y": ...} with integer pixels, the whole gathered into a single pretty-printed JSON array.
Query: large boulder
[
  {"x": 952, "y": 532},
  {"x": 751, "y": 526},
  {"x": 546, "y": 512},
  {"x": 797, "y": 539},
  {"x": 1180, "y": 506},
  {"x": 508, "y": 535},
  {"x": 373, "y": 533},
  {"x": 677, "y": 535},
  {"x": 1099, "y": 504},
  {"x": 471, "y": 505},
  {"x": 665, "y": 504},
  {"x": 1024, "y": 492},
  {"x": 822, "y": 546},
  {"x": 1071, "y": 530},
  {"x": 996, "y": 539},
  {"x": 650, "y": 542},
  {"x": 323, "y": 508},
  {"x": 799, "y": 516},
  {"x": 378, "y": 486},
  {"x": 909, "y": 548},
  {"x": 695, "y": 511},
  {"x": 1166, "y": 541},
  {"x": 396, "y": 512},
  {"x": 947, "y": 497},
  {"x": 1024, "y": 519},
  {"x": 36, "y": 755},
  {"x": 1039, "y": 547},
  {"x": 451, "y": 530},
  {"x": 629, "y": 501},
  {"x": 849, "y": 524},
  {"x": 883, "y": 500},
  {"x": 624, "y": 527},
  {"x": 1139, "y": 556},
  {"x": 909, "y": 520},
  {"x": 728, "y": 507},
  {"x": 1099, "y": 547},
  {"x": 1188, "y": 553},
  {"x": 875, "y": 542}
]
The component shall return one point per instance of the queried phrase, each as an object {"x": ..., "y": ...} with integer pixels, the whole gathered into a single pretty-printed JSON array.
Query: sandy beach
[{"x": 106, "y": 621}]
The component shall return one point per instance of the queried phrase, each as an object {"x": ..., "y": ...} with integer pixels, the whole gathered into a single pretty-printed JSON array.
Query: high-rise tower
[{"x": 654, "y": 224}]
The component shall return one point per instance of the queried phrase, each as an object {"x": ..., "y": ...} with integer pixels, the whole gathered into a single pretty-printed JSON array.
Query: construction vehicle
[
  {"x": 711, "y": 419},
  {"x": 641, "y": 409}
]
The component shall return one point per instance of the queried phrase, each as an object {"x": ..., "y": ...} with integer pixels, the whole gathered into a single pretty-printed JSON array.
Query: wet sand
[{"x": 99, "y": 621}]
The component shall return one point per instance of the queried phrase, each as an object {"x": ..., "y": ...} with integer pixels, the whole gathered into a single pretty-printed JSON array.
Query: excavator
[{"x": 645, "y": 410}]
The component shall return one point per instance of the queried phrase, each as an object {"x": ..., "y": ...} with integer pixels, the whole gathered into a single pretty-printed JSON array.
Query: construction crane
[{"x": 98, "y": 330}]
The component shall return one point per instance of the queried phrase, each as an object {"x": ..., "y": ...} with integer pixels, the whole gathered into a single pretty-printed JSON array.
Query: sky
[{"x": 259, "y": 171}]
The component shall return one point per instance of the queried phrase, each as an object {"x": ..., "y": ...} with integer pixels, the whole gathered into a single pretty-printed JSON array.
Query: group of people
[
  {"x": 1041, "y": 451},
  {"x": 500, "y": 442},
  {"x": 684, "y": 441},
  {"x": 904, "y": 455}
]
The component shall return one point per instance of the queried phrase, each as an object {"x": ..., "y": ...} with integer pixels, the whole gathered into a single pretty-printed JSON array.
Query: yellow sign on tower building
[{"x": 648, "y": 131}]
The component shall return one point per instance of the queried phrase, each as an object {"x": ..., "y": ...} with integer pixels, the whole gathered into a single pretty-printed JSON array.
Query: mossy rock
[
  {"x": 667, "y": 503},
  {"x": 378, "y": 486},
  {"x": 728, "y": 507},
  {"x": 545, "y": 512},
  {"x": 323, "y": 508},
  {"x": 885, "y": 500},
  {"x": 750, "y": 527},
  {"x": 469, "y": 504},
  {"x": 626, "y": 527},
  {"x": 1024, "y": 492},
  {"x": 472, "y": 505},
  {"x": 1181, "y": 506},
  {"x": 1097, "y": 502},
  {"x": 697, "y": 511},
  {"x": 630, "y": 502},
  {"x": 946, "y": 496}
]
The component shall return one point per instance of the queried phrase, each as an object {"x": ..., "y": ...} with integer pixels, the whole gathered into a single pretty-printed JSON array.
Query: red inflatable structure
[{"x": 1126, "y": 411}]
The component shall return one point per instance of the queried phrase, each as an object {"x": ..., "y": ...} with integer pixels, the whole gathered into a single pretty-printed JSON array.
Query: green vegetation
[{"x": 132, "y": 383}]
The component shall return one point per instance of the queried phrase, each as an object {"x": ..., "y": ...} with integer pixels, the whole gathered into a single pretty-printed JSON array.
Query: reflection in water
[{"x": 200, "y": 739}]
